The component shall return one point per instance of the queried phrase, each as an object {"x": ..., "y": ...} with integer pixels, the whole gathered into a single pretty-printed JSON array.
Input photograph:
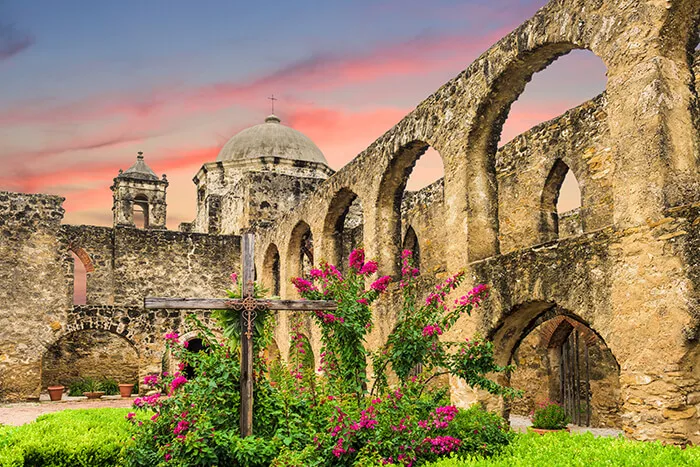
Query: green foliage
[
  {"x": 344, "y": 358},
  {"x": 565, "y": 450},
  {"x": 550, "y": 416},
  {"x": 79, "y": 386},
  {"x": 86, "y": 437},
  {"x": 415, "y": 342}
]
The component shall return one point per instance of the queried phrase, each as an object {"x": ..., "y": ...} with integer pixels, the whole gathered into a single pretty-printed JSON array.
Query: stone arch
[
  {"x": 344, "y": 213},
  {"x": 272, "y": 352},
  {"x": 271, "y": 270},
  {"x": 549, "y": 220},
  {"x": 300, "y": 252},
  {"x": 95, "y": 352},
  {"x": 492, "y": 112},
  {"x": 82, "y": 266},
  {"x": 410, "y": 242},
  {"x": 388, "y": 212},
  {"x": 140, "y": 203},
  {"x": 545, "y": 328}
]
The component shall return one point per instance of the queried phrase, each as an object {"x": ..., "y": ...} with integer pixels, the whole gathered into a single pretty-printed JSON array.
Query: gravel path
[
  {"x": 520, "y": 424},
  {"x": 25, "y": 412}
]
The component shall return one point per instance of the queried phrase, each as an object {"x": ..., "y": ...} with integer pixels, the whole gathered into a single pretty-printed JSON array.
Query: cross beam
[{"x": 248, "y": 306}]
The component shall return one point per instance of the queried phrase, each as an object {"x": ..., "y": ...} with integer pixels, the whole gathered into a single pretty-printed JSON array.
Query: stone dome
[{"x": 271, "y": 139}]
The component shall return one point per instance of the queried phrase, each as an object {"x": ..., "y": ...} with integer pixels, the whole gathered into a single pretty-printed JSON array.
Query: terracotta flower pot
[
  {"x": 542, "y": 431},
  {"x": 125, "y": 390},
  {"x": 94, "y": 395},
  {"x": 56, "y": 392}
]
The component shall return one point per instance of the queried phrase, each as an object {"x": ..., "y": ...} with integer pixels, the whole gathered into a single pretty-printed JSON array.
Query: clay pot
[
  {"x": 94, "y": 395},
  {"x": 125, "y": 390},
  {"x": 56, "y": 392},
  {"x": 542, "y": 431}
]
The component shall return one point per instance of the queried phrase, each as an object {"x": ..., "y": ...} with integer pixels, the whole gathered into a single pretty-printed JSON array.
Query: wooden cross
[{"x": 248, "y": 306}]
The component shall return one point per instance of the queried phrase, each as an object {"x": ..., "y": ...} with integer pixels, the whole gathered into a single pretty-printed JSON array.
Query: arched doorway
[
  {"x": 301, "y": 250},
  {"x": 560, "y": 358},
  {"x": 271, "y": 270},
  {"x": 91, "y": 353}
]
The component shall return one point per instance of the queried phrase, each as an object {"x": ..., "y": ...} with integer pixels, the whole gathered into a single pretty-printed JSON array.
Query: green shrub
[
  {"x": 585, "y": 450},
  {"x": 85, "y": 437},
  {"x": 550, "y": 416},
  {"x": 82, "y": 385}
]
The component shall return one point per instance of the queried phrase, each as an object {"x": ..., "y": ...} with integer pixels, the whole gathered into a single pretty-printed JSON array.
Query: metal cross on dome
[
  {"x": 273, "y": 99},
  {"x": 248, "y": 306}
]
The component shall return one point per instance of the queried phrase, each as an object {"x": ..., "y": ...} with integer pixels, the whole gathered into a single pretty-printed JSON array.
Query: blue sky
[{"x": 86, "y": 84}]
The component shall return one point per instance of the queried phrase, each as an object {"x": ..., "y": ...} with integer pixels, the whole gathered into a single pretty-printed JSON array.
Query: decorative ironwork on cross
[{"x": 249, "y": 307}]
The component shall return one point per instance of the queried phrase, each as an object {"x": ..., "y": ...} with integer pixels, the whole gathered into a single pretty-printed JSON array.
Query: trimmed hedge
[
  {"x": 83, "y": 437},
  {"x": 584, "y": 450}
]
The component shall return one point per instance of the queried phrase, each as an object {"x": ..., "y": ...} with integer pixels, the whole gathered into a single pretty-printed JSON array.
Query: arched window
[
  {"x": 301, "y": 250},
  {"x": 140, "y": 212},
  {"x": 343, "y": 230},
  {"x": 195, "y": 345},
  {"x": 561, "y": 201},
  {"x": 79, "y": 280},
  {"x": 271, "y": 268},
  {"x": 395, "y": 202},
  {"x": 410, "y": 242}
]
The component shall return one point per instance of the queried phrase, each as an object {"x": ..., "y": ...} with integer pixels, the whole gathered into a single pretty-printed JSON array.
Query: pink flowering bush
[
  {"x": 343, "y": 330},
  {"x": 415, "y": 350},
  {"x": 195, "y": 421}
]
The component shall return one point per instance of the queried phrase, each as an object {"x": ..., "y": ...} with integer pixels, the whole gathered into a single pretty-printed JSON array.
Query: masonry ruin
[{"x": 598, "y": 308}]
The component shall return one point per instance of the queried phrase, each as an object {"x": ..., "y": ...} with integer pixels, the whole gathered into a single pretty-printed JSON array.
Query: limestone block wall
[
  {"x": 125, "y": 265},
  {"x": 627, "y": 272},
  {"x": 35, "y": 292}
]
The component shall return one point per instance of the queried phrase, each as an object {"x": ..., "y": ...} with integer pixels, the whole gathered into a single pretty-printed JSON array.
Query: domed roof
[{"x": 271, "y": 139}]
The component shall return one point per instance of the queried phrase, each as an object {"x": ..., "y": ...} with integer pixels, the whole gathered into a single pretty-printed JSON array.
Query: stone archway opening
[
  {"x": 561, "y": 203},
  {"x": 559, "y": 358},
  {"x": 411, "y": 243},
  {"x": 344, "y": 226},
  {"x": 301, "y": 250},
  {"x": 194, "y": 345},
  {"x": 394, "y": 201},
  {"x": 90, "y": 353},
  {"x": 140, "y": 211},
  {"x": 271, "y": 270}
]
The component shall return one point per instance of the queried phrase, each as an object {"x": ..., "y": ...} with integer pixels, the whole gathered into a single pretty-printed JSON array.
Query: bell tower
[{"x": 139, "y": 197}]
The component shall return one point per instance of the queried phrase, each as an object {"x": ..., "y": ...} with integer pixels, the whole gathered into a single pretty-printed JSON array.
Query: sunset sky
[{"x": 87, "y": 84}]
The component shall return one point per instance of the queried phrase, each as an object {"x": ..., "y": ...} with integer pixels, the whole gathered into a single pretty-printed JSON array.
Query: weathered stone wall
[
  {"x": 124, "y": 265},
  {"x": 91, "y": 353},
  {"x": 35, "y": 292},
  {"x": 624, "y": 267},
  {"x": 252, "y": 192}
]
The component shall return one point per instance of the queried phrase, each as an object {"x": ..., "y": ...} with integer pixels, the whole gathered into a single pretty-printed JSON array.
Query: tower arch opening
[{"x": 344, "y": 226}]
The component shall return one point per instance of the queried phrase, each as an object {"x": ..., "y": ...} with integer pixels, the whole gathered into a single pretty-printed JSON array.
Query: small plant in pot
[
  {"x": 93, "y": 389},
  {"x": 548, "y": 417}
]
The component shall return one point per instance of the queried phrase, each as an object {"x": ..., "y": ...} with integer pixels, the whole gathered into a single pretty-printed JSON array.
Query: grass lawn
[
  {"x": 94, "y": 438},
  {"x": 566, "y": 450}
]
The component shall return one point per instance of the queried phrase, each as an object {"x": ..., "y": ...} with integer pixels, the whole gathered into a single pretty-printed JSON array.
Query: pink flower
[
  {"x": 357, "y": 259},
  {"x": 316, "y": 273},
  {"x": 172, "y": 337},
  {"x": 363, "y": 301},
  {"x": 303, "y": 285},
  {"x": 381, "y": 284},
  {"x": 406, "y": 254},
  {"x": 432, "y": 330},
  {"x": 168, "y": 456},
  {"x": 234, "y": 277},
  {"x": 150, "y": 380},
  {"x": 369, "y": 268},
  {"x": 177, "y": 382},
  {"x": 186, "y": 344},
  {"x": 130, "y": 415},
  {"x": 181, "y": 427}
]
